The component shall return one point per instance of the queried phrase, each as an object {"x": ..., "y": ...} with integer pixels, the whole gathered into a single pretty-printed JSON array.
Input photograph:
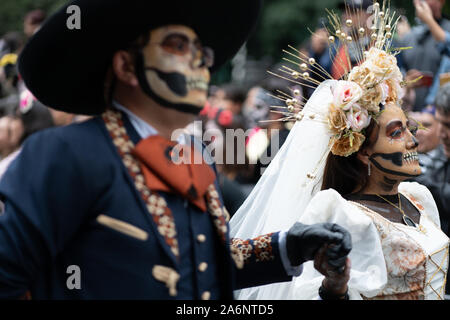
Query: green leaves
[{"x": 12, "y": 12}]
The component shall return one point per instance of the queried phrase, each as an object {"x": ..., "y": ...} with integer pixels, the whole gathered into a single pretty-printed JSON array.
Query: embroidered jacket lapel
[
  {"x": 162, "y": 219},
  {"x": 218, "y": 213}
]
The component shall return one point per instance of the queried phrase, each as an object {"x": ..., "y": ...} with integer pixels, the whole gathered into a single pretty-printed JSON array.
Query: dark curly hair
[{"x": 344, "y": 174}]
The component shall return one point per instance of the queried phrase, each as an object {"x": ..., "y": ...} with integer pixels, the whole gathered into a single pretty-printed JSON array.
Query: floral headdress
[{"x": 371, "y": 82}]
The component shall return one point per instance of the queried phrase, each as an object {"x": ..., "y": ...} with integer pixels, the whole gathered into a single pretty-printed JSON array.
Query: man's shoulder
[
  {"x": 80, "y": 146},
  {"x": 84, "y": 140},
  {"x": 86, "y": 131}
]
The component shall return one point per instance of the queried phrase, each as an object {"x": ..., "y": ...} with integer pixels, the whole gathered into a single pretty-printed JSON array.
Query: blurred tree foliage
[
  {"x": 12, "y": 12},
  {"x": 286, "y": 22}
]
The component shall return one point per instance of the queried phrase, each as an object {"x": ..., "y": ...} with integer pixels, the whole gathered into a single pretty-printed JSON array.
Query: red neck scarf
[{"x": 171, "y": 167}]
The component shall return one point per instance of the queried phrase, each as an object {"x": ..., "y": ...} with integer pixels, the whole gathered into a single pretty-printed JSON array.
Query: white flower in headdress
[
  {"x": 382, "y": 64},
  {"x": 346, "y": 93},
  {"x": 358, "y": 118}
]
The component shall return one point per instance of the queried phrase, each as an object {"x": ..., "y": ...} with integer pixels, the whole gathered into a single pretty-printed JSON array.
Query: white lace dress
[{"x": 389, "y": 260}]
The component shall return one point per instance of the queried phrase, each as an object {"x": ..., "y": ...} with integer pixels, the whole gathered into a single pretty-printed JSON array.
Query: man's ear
[
  {"x": 123, "y": 67},
  {"x": 363, "y": 156}
]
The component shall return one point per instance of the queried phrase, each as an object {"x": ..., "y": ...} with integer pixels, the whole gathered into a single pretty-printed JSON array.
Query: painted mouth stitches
[
  {"x": 197, "y": 84},
  {"x": 411, "y": 157}
]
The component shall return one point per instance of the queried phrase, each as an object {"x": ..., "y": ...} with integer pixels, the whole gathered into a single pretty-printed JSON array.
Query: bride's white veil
[{"x": 288, "y": 184}]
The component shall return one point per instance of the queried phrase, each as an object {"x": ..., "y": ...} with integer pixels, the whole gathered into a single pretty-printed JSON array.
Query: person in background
[
  {"x": 10, "y": 46},
  {"x": 255, "y": 106},
  {"x": 425, "y": 14},
  {"x": 356, "y": 11},
  {"x": 11, "y": 131},
  {"x": 403, "y": 27},
  {"x": 437, "y": 179},
  {"x": 256, "y": 112},
  {"x": 34, "y": 119},
  {"x": 428, "y": 137},
  {"x": 319, "y": 49},
  {"x": 233, "y": 98},
  {"x": 424, "y": 57},
  {"x": 214, "y": 122},
  {"x": 275, "y": 129},
  {"x": 33, "y": 21}
]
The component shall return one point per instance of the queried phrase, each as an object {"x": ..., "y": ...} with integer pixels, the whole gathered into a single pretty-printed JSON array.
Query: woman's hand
[{"x": 336, "y": 271}]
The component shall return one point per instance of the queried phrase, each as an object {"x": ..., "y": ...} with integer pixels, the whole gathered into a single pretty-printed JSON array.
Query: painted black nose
[{"x": 415, "y": 141}]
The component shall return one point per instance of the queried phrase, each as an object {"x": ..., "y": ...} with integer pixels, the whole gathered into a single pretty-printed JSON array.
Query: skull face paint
[
  {"x": 395, "y": 151},
  {"x": 174, "y": 69}
]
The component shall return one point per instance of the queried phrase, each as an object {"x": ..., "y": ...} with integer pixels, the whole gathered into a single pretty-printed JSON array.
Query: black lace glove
[{"x": 303, "y": 242}]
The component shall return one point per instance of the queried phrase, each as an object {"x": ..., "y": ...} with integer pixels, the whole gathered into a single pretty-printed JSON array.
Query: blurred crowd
[
  {"x": 21, "y": 114},
  {"x": 251, "y": 109}
]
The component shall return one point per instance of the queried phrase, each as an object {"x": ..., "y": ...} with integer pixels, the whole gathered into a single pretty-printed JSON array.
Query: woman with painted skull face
[{"x": 345, "y": 161}]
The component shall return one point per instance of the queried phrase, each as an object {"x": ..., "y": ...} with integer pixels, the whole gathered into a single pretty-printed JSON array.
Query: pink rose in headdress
[
  {"x": 358, "y": 118},
  {"x": 346, "y": 93}
]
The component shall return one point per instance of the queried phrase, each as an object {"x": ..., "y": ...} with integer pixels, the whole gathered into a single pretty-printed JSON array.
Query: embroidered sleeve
[
  {"x": 258, "y": 261},
  {"x": 258, "y": 249}
]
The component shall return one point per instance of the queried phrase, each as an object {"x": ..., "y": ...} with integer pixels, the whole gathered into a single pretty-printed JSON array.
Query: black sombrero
[{"x": 66, "y": 69}]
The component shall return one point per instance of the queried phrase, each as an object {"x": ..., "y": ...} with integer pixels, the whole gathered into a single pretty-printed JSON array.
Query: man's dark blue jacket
[{"x": 57, "y": 196}]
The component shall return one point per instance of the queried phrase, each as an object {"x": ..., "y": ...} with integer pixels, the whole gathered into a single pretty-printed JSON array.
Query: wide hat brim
[{"x": 65, "y": 68}]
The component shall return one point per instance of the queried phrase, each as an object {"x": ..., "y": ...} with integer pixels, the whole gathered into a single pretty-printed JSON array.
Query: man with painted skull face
[{"x": 109, "y": 214}]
